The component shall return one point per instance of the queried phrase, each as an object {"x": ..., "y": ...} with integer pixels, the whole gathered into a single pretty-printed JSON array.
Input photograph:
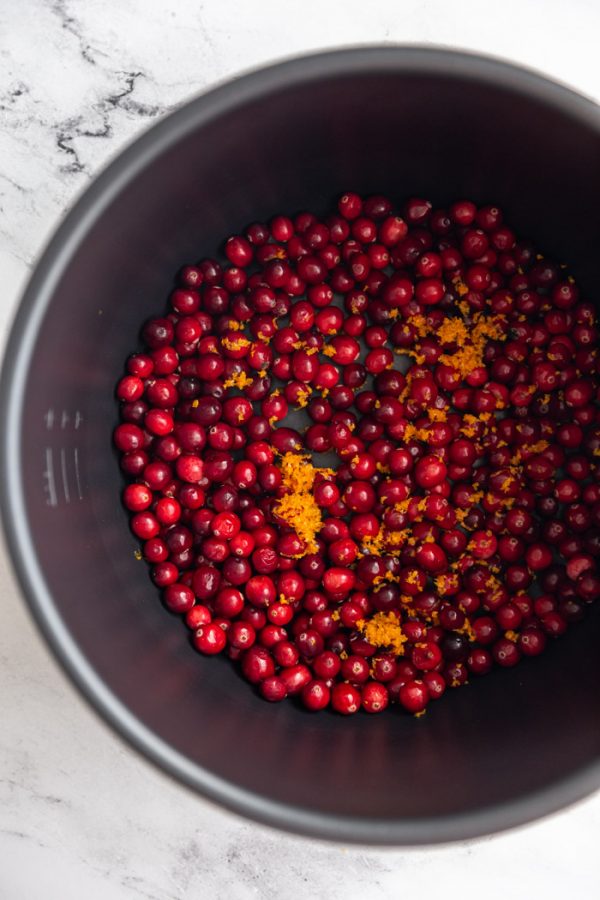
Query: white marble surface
[{"x": 81, "y": 815}]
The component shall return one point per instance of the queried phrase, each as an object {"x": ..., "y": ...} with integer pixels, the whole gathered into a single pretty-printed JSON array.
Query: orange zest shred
[
  {"x": 374, "y": 544},
  {"x": 437, "y": 415},
  {"x": 447, "y": 583},
  {"x": 387, "y": 542},
  {"x": 467, "y": 629},
  {"x": 303, "y": 395},
  {"x": 453, "y": 331},
  {"x": 461, "y": 288},
  {"x": 238, "y": 380},
  {"x": 383, "y": 630},
  {"x": 471, "y": 344},
  {"x": 412, "y": 433},
  {"x": 240, "y": 343},
  {"x": 418, "y": 357},
  {"x": 298, "y": 506},
  {"x": 539, "y": 447},
  {"x": 420, "y": 323}
]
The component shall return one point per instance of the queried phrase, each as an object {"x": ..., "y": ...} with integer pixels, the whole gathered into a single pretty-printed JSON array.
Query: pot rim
[{"x": 55, "y": 259}]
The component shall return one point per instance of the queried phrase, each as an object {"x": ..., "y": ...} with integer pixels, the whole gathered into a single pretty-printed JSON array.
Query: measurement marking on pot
[
  {"x": 49, "y": 479},
  {"x": 76, "y": 467},
  {"x": 65, "y": 478},
  {"x": 51, "y": 419}
]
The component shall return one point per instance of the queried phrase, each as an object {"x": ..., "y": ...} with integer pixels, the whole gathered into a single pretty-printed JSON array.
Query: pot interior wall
[{"x": 401, "y": 133}]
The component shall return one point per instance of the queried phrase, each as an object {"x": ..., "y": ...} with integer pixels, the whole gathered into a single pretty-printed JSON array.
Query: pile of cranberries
[{"x": 362, "y": 452}]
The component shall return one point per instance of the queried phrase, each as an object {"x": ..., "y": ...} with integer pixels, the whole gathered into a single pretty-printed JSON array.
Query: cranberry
[
  {"x": 426, "y": 656},
  {"x": 374, "y": 697},
  {"x": 210, "y": 639},
  {"x": 414, "y": 696},
  {"x": 506, "y": 653},
  {"x": 273, "y": 689},
  {"x": 345, "y": 698},
  {"x": 480, "y": 661},
  {"x": 430, "y": 471},
  {"x": 532, "y": 642},
  {"x": 179, "y": 598},
  {"x": 257, "y": 664},
  {"x": 315, "y": 695}
]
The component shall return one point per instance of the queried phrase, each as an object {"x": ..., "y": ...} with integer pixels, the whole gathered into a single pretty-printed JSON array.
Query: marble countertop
[{"x": 81, "y": 815}]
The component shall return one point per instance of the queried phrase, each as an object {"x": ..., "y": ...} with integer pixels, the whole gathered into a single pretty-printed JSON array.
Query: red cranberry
[
  {"x": 506, "y": 653},
  {"x": 414, "y": 696},
  {"x": 345, "y": 698},
  {"x": 315, "y": 695},
  {"x": 374, "y": 697},
  {"x": 257, "y": 664},
  {"x": 210, "y": 639},
  {"x": 273, "y": 689}
]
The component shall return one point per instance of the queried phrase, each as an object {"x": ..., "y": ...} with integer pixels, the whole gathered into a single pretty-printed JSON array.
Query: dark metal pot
[{"x": 405, "y": 121}]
